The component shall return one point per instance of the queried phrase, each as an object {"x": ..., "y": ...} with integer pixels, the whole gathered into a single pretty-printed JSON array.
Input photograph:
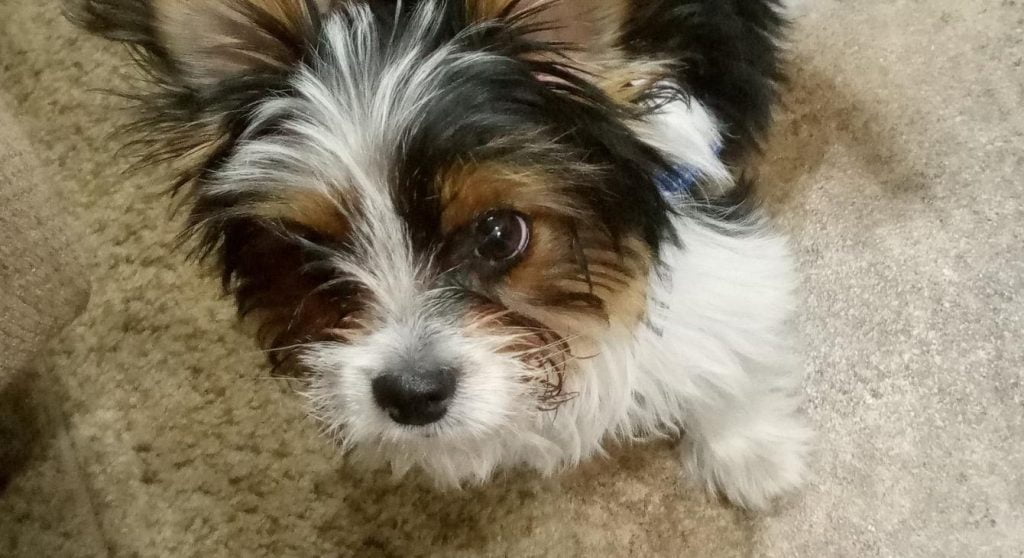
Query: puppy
[{"x": 491, "y": 233}]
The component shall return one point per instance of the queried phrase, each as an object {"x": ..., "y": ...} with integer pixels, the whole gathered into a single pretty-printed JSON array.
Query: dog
[{"x": 491, "y": 234}]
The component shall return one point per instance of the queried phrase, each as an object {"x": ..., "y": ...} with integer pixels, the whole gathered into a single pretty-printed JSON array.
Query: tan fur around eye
[
  {"x": 312, "y": 210},
  {"x": 471, "y": 190},
  {"x": 625, "y": 80},
  {"x": 549, "y": 284}
]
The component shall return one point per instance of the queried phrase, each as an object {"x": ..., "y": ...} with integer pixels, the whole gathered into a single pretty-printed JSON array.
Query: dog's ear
[
  {"x": 590, "y": 27},
  {"x": 587, "y": 33},
  {"x": 210, "y": 40},
  {"x": 209, "y": 62},
  {"x": 203, "y": 42}
]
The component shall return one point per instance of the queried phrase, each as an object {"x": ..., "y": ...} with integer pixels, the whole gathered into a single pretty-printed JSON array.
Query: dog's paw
[{"x": 751, "y": 468}]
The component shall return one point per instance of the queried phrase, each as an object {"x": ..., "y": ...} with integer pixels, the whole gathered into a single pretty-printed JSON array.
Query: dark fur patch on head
[
  {"x": 206, "y": 64},
  {"x": 501, "y": 112},
  {"x": 557, "y": 148},
  {"x": 589, "y": 28},
  {"x": 283, "y": 277}
]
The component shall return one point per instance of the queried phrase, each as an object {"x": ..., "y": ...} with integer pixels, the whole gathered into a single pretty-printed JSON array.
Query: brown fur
[
  {"x": 592, "y": 25},
  {"x": 290, "y": 301},
  {"x": 216, "y": 39},
  {"x": 591, "y": 29},
  {"x": 624, "y": 79},
  {"x": 471, "y": 190},
  {"x": 552, "y": 284},
  {"x": 312, "y": 211}
]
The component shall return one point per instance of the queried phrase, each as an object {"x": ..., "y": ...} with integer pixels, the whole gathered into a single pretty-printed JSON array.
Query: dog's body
[{"x": 492, "y": 233}]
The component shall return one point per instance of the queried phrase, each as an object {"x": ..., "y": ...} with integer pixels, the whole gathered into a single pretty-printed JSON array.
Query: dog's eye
[{"x": 502, "y": 236}]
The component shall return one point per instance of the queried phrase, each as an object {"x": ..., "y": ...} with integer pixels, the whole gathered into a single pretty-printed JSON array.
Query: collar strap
[
  {"x": 677, "y": 180},
  {"x": 681, "y": 179}
]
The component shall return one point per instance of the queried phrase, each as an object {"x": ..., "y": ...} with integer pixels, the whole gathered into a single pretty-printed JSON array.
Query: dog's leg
[
  {"x": 748, "y": 445},
  {"x": 722, "y": 352}
]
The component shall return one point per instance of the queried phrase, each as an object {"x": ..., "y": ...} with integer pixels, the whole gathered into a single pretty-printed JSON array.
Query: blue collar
[
  {"x": 677, "y": 181},
  {"x": 680, "y": 180}
]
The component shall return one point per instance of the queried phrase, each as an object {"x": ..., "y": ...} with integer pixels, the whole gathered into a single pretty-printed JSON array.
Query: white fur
[
  {"x": 349, "y": 114},
  {"x": 714, "y": 360},
  {"x": 722, "y": 365},
  {"x": 687, "y": 134},
  {"x": 338, "y": 134}
]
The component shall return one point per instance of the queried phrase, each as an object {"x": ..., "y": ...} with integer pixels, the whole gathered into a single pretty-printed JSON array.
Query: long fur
[{"x": 337, "y": 157}]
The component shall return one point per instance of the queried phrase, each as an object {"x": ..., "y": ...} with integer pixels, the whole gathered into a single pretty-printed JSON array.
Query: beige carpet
[{"x": 899, "y": 169}]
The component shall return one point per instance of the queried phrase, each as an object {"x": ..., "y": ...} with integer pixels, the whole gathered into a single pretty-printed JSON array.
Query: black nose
[{"x": 415, "y": 397}]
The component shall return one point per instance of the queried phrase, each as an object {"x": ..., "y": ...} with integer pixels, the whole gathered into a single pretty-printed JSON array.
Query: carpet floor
[{"x": 897, "y": 167}]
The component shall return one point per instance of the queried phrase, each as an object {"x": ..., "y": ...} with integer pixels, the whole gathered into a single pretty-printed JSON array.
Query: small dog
[{"x": 491, "y": 233}]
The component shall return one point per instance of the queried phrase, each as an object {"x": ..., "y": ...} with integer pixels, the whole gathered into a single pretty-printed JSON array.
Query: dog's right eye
[{"x": 502, "y": 236}]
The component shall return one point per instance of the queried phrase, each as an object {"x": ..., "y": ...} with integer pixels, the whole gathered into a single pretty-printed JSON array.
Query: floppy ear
[{"x": 591, "y": 27}]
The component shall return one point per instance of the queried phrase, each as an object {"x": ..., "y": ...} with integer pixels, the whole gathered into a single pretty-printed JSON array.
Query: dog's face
[{"x": 433, "y": 209}]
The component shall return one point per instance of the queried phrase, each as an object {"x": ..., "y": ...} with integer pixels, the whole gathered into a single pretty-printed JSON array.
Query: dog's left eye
[{"x": 502, "y": 236}]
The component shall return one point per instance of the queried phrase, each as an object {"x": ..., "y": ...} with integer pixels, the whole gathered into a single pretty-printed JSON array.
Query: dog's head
[{"x": 433, "y": 209}]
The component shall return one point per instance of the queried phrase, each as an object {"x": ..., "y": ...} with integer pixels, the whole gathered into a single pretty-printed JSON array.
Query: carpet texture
[
  {"x": 43, "y": 285},
  {"x": 897, "y": 167}
]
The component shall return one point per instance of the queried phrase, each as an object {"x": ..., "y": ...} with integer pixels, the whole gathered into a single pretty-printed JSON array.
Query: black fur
[
  {"x": 505, "y": 99},
  {"x": 729, "y": 60},
  {"x": 605, "y": 166},
  {"x": 729, "y": 57}
]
